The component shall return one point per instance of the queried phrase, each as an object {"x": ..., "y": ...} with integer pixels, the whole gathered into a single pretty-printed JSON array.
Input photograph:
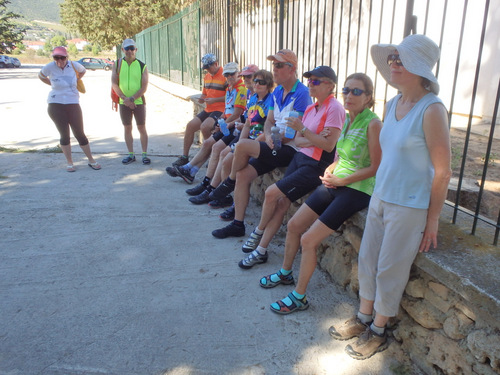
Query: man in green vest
[{"x": 130, "y": 82}]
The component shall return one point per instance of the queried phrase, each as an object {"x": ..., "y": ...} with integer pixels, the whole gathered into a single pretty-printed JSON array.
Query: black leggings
[{"x": 66, "y": 116}]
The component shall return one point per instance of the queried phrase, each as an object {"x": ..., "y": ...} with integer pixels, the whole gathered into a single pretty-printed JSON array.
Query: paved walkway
[{"x": 115, "y": 272}]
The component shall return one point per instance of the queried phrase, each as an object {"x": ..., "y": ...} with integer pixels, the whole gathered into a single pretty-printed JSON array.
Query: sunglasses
[
  {"x": 59, "y": 57},
  {"x": 261, "y": 82},
  {"x": 206, "y": 66},
  {"x": 129, "y": 48},
  {"x": 394, "y": 59},
  {"x": 281, "y": 65},
  {"x": 229, "y": 74},
  {"x": 355, "y": 92},
  {"x": 314, "y": 82}
]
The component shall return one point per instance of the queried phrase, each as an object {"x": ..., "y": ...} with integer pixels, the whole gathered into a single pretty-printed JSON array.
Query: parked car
[
  {"x": 6, "y": 62},
  {"x": 94, "y": 63},
  {"x": 16, "y": 62}
]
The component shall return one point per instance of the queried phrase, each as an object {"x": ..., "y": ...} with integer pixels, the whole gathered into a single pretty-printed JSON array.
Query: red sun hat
[{"x": 60, "y": 51}]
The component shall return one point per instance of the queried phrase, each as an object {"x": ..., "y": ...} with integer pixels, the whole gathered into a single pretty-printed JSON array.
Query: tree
[
  {"x": 72, "y": 50},
  {"x": 10, "y": 34},
  {"x": 108, "y": 22},
  {"x": 57, "y": 41}
]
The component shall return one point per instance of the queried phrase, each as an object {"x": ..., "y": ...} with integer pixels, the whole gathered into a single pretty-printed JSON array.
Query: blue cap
[
  {"x": 322, "y": 71},
  {"x": 208, "y": 60}
]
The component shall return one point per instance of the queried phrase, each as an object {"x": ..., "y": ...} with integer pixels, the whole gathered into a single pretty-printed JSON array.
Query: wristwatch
[{"x": 303, "y": 130}]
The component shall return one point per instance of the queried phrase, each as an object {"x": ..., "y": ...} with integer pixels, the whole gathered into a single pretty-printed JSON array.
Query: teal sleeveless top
[
  {"x": 405, "y": 174},
  {"x": 353, "y": 151}
]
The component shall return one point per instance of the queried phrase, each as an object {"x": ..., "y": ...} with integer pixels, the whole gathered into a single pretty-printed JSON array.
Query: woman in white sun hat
[{"x": 410, "y": 189}]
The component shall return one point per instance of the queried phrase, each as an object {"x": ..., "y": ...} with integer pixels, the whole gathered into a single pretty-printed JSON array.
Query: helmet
[{"x": 208, "y": 60}]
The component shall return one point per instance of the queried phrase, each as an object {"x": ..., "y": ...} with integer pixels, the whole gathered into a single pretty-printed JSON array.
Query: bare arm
[
  {"x": 44, "y": 78},
  {"x": 437, "y": 138},
  {"x": 373, "y": 132},
  {"x": 270, "y": 122},
  {"x": 325, "y": 140},
  {"x": 235, "y": 116}
]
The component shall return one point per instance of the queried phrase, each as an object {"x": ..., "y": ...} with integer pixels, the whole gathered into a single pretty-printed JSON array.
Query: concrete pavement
[{"x": 115, "y": 272}]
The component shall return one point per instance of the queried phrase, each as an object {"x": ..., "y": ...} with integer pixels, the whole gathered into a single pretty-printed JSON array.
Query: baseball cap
[
  {"x": 230, "y": 67},
  {"x": 128, "y": 42},
  {"x": 60, "y": 51},
  {"x": 322, "y": 71},
  {"x": 208, "y": 60},
  {"x": 284, "y": 55},
  {"x": 249, "y": 70}
]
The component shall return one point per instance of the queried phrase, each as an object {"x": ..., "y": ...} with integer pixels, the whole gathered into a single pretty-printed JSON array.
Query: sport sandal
[
  {"x": 280, "y": 307},
  {"x": 266, "y": 281}
]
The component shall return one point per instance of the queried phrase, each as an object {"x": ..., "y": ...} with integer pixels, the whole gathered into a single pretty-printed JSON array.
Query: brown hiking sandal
[
  {"x": 368, "y": 344},
  {"x": 349, "y": 329}
]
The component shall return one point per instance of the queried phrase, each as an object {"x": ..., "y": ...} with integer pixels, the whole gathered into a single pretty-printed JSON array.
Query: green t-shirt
[{"x": 353, "y": 151}]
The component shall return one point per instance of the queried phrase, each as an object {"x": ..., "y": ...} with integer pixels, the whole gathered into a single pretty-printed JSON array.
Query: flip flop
[
  {"x": 95, "y": 166},
  {"x": 70, "y": 168}
]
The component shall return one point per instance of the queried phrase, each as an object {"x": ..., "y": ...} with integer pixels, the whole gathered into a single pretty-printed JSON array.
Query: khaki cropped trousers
[{"x": 389, "y": 246}]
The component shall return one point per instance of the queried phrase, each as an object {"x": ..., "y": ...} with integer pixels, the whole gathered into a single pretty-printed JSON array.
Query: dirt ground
[{"x": 474, "y": 166}]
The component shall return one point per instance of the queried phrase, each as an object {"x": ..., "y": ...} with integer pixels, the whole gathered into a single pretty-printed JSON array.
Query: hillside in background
[{"x": 44, "y": 10}]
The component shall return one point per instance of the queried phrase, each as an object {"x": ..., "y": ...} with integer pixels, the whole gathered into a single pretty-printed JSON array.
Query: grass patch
[{"x": 47, "y": 150}]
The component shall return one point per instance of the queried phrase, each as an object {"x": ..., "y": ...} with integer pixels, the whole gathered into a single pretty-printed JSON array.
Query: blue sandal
[
  {"x": 280, "y": 307},
  {"x": 266, "y": 281}
]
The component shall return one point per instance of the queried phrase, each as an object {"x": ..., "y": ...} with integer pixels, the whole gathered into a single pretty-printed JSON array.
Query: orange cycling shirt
[{"x": 214, "y": 87}]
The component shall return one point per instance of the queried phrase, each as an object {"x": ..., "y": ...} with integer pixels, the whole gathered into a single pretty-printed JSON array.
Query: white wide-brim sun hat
[{"x": 417, "y": 52}]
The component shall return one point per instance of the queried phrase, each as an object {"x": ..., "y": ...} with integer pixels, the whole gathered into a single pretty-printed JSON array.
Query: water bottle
[
  {"x": 276, "y": 137},
  {"x": 223, "y": 127},
  {"x": 290, "y": 132}
]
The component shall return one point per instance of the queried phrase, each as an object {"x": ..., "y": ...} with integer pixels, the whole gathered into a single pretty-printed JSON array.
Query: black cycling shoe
[
  {"x": 200, "y": 198},
  {"x": 171, "y": 171},
  {"x": 228, "y": 214},
  {"x": 184, "y": 174},
  {"x": 231, "y": 230},
  {"x": 221, "y": 203},
  {"x": 197, "y": 190}
]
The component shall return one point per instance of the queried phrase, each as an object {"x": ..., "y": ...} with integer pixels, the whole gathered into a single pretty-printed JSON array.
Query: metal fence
[{"x": 339, "y": 33}]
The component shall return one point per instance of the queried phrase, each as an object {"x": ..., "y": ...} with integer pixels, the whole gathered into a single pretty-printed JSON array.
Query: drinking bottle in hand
[
  {"x": 276, "y": 137},
  {"x": 223, "y": 127},
  {"x": 290, "y": 132}
]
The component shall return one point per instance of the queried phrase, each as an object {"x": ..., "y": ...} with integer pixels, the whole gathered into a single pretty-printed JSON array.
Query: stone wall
[{"x": 449, "y": 319}]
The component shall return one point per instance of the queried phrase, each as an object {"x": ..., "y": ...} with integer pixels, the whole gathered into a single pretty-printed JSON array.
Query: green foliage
[
  {"x": 96, "y": 49},
  {"x": 58, "y": 40},
  {"x": 72, "y": 50},
  {"x": 41, "y": 52},
  {"x": 47, "y": 47},
  {"x": 87, "y": 48},
  {"x": 108, "y": 22},
  {"x": 17, "y": 51},
  {"x": 10, "y": 33}
]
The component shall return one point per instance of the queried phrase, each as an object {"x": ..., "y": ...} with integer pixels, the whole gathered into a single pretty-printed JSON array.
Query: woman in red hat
[{"x": 64, "y": 107}]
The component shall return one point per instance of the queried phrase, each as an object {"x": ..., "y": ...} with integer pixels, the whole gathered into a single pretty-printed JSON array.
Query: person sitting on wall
[
  {"x": 235, "y": 104},
  {"x": 290, "y": 96},
  {"x": 316, "y": 137},
  {"x": 347, "y": 187},
  {"x": 214, "y": 89}
]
